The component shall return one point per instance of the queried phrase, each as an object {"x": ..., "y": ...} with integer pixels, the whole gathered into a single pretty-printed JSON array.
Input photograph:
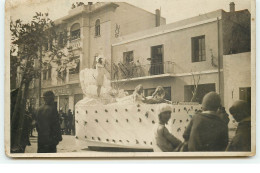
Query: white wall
[
  {"x": 237, "y": 73},
  {"x": 176, "y": 48}
]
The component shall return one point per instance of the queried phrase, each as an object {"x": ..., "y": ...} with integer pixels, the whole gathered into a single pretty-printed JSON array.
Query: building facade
[
  {"x": 91, "y": 30},
  {"x": 237, "y": 71},
  {"x": 182, "y": 56}
]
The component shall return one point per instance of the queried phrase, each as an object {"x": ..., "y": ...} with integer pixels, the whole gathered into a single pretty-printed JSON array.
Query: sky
[{"x": 172, "y": 10}]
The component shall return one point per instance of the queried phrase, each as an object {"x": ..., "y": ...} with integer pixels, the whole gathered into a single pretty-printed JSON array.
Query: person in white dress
[{"x": 100, "y": 74}]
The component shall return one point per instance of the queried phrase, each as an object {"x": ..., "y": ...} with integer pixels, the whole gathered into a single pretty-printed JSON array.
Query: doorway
[
  {"x": 156, "y": 60},
  {"x": 64, "y": 103},
  {"x": 245, "y": 94}
]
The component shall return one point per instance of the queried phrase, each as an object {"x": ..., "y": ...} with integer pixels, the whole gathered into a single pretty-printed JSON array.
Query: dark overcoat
[
  {"x": 242, "y": 138},
  {"x": 206, "y": 132},
  {"x": 48, "y": 127}
]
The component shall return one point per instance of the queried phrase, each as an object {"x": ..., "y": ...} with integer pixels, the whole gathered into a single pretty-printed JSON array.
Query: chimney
[
  {"x": 157, "y": 17},
  {"x": 90, "y": 3},
  {"x": 232, "y": 7}
]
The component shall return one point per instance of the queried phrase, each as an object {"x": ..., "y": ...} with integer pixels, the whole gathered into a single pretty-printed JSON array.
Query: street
[{"x": 68, "y": 144}]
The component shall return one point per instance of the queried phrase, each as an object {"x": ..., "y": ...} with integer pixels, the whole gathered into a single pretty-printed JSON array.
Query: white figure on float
[
  {"x": 138, "y": 95},
  {"x": 95, "y": 78},
  {"x": 100, "y": 67}
]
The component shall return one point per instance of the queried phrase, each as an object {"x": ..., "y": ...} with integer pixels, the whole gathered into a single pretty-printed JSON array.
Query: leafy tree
[{"x": 28, "y": 41}]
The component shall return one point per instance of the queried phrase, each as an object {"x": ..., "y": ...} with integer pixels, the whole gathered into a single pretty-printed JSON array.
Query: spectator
[
  {"x": 70, "y": 119},
  {"x": 65, "y": 118},
  {"x": 241, "y": 111},
  {"x": 48, "y": 127},
  {"x": 28, "y": 124},
  {"x": 139, "y": 69},
  {"x": 164, "y": 140},
  {"x": 62, "y": 121},
  {"x": 73, "y": 123},
  {"x": 32, "y": 111},
  {"x": 207, "y": 131}
]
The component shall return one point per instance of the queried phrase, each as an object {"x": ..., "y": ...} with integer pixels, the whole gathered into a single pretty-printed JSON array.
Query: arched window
[
  {"x": 75, "y": 31},
  {"x": 97, "y": 28}
]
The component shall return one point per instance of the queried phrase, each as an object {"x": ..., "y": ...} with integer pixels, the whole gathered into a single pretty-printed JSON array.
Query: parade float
[{"x": 117, "y": 121}]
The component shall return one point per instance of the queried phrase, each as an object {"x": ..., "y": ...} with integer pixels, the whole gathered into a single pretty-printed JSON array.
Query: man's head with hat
[
  {"x": 211, "y": 102},
  {"x": 48, "y": 97},
  {"x": 240, "y": 110}
]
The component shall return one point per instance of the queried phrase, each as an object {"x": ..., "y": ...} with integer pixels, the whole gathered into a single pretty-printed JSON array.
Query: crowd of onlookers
[
  {"x": 67, "y": 122},
  {"x": 208, "y": 129}
]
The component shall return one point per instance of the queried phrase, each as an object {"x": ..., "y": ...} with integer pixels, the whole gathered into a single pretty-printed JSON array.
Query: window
[
  {"x": 64, "y": 103},
  {"x": 149, "y": 91},
  {"x": 76, "y": 69},
  {"x": 97, "y": 28},
  {"x": 202, "y": 90},
  {"x": 60, "y": 41},
  {"x": 62, "y": 73},
  {"x": 44, "y": 75},
  {"x": 156, "y": 60},
  {"x": 168, "y": 93},
  {"x": 198, "y": 49},
  {"x": 49, "y": 72},
  {"x": 245, "y": 94},
  {"x": 128, "y": 57},
  {"x": 75, "y": 31}
]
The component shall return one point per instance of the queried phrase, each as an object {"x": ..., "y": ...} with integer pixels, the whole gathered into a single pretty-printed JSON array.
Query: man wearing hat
[
  {"x": 47, "y": 125},
  {"x": 241, "y": 111},
  {"x": 208, "y": 130}
]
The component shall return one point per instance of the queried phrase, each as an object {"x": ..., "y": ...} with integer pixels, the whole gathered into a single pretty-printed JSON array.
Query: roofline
[
  {"x": 84, "y": 11},
  {"x": 239, "y": 11},
  {"x": 140, "y": 8},
  {"x": 156, "y": 33}
]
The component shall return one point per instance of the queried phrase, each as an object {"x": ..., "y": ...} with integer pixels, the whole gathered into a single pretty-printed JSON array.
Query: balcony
[
  {"x": 132, "y": 70},
  {"x": 75, "y": 44}
]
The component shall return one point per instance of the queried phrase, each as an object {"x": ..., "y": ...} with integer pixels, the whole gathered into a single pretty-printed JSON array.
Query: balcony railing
[
  {"x": 131, "y": 70},
  {"x": 75, "y": 44}
]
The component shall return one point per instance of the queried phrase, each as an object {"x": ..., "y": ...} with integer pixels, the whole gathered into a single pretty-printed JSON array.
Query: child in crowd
[{"x": 164, "y": 140}]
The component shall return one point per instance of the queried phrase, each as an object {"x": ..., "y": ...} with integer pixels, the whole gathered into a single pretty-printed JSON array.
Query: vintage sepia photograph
[{"x": 130, "y": 79}]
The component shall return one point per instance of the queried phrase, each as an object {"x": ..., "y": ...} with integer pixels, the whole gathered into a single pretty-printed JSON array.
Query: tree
[
  {"x": 195, "y": 87},
  {"x": 28, "y": 40}
]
